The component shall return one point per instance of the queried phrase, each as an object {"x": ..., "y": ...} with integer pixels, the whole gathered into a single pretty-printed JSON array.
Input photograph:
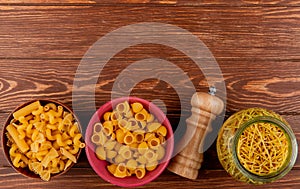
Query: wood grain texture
[
  {"x": 270, "y": 84},
  {"x": 240, "y": 32},
  {"x": 162, "y": 2},
  {"x": 207, "y": 179},
  {"x": 256, "y": 43}
]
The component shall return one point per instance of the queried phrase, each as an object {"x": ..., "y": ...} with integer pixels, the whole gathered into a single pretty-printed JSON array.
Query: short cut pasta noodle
[
  {"x": 44, "y": 138},
  {"x": 130, "y": 139}
]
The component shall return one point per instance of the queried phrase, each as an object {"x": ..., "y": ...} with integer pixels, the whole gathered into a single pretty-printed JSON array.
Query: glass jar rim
[{"x": 290, "y": 160}]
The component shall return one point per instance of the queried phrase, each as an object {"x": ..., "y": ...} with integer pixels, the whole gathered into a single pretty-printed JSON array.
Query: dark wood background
[{"x": 255, "y": 42}]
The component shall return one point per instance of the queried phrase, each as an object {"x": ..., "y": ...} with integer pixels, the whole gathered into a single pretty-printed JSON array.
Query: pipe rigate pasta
[
  {"x": 136, "y": 107},
  {"x": 110, "y": 144},
  {"x": 131, "y": 164},
  {"x": 142, "y": 124},
  {"x": 122, "y": 107},
  {"x": 131, "y": 139},
  {"x": 120, "y": 171},
  {"x": 150, "y": 155},
  {"x": 150, "y": 118},
  {"x": 129, "y": 114},
  {"x": 154, "y": 143},
  {"x": 106, "y": 116},
  {"x": 119, "y": 159},
  {"x": 149, "y": 136},
  {"x": 112, "y": 168},
  {"x": 111, "y": 154},
  {"x": 140, "y": 173},
  {"x": 150, "y": 166},
  {"x": 162, "y": 130},
  {"x": 142, "y": 160},
  {"x": 125, "y": 152},
  {"x": 153, "y": 126},
  {"x": 123, "y": 124},
  {"x": 142, "y": 147},
  {"x": 160, "y": 152},
  {"x": 133, "y": 145},
  {"x": 97, "y": 127},
  {"x": 120, "y": 134},
  {"x": 115, "y": 115},
  {"x": 108, "y": 127},
  {"x": 139, "y": 137},
  {"x": 97, "y": 139},
  {"x": 142, "y": 115},
  {"x": 100, "y": 152},
  {"x": 113, "y": 136}
]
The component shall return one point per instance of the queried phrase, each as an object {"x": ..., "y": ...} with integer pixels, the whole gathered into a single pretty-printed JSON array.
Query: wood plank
[
  {"x": 263, "y": 83},
  {"x": 86, "y": 177},
  {"x": 236, "y": 3},
  {"x": 162, "y": 2},
  {"x": 67, "y": 32}
]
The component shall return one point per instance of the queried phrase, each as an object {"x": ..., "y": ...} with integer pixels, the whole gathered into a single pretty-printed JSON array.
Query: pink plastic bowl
[{"x": 99, "y": 166}]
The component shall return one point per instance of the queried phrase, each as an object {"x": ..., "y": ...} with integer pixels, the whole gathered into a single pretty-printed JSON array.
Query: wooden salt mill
[{"x": 205, "y": 107}]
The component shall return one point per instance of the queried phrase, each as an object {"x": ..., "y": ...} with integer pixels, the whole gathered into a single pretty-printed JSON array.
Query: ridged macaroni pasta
[{"x": 130, "y": 139}]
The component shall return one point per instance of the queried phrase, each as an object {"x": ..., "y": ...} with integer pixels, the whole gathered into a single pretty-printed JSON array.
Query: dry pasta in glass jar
[{"x": 256, "y": 146}]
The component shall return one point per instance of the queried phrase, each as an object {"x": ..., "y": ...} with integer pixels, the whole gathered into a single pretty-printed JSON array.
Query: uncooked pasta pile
[
  {"x": 262, "y": 148},
  {"x": 226, "y": 135}
]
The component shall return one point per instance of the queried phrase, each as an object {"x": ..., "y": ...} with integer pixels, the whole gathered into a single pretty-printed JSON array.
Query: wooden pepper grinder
[{"x": 205, "y": 107}]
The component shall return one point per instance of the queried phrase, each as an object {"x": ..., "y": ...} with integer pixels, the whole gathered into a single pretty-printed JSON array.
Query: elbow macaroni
[
  {"x": 131, "y": 139},
  {"x": 46, "y": 139}
]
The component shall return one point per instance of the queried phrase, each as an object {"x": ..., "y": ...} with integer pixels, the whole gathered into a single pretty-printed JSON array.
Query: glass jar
[{"x": 256, "y": 146}]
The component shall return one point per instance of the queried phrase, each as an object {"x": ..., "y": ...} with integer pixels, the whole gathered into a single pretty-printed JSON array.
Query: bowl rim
[
  {"x": 25, "y": 171},
  {"x": 91, "y": 154}
]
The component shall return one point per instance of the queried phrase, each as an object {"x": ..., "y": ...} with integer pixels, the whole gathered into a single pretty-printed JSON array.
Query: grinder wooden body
[{"x": 205, "y": 107}]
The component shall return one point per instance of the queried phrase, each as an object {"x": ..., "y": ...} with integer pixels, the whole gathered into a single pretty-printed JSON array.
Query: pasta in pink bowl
[
  {"x": 42, "y": 139},
  {"x": 129, "y": 142}
]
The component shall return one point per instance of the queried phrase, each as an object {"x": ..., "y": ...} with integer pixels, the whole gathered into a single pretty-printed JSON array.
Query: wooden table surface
[{"x": 256, "y": 43}]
